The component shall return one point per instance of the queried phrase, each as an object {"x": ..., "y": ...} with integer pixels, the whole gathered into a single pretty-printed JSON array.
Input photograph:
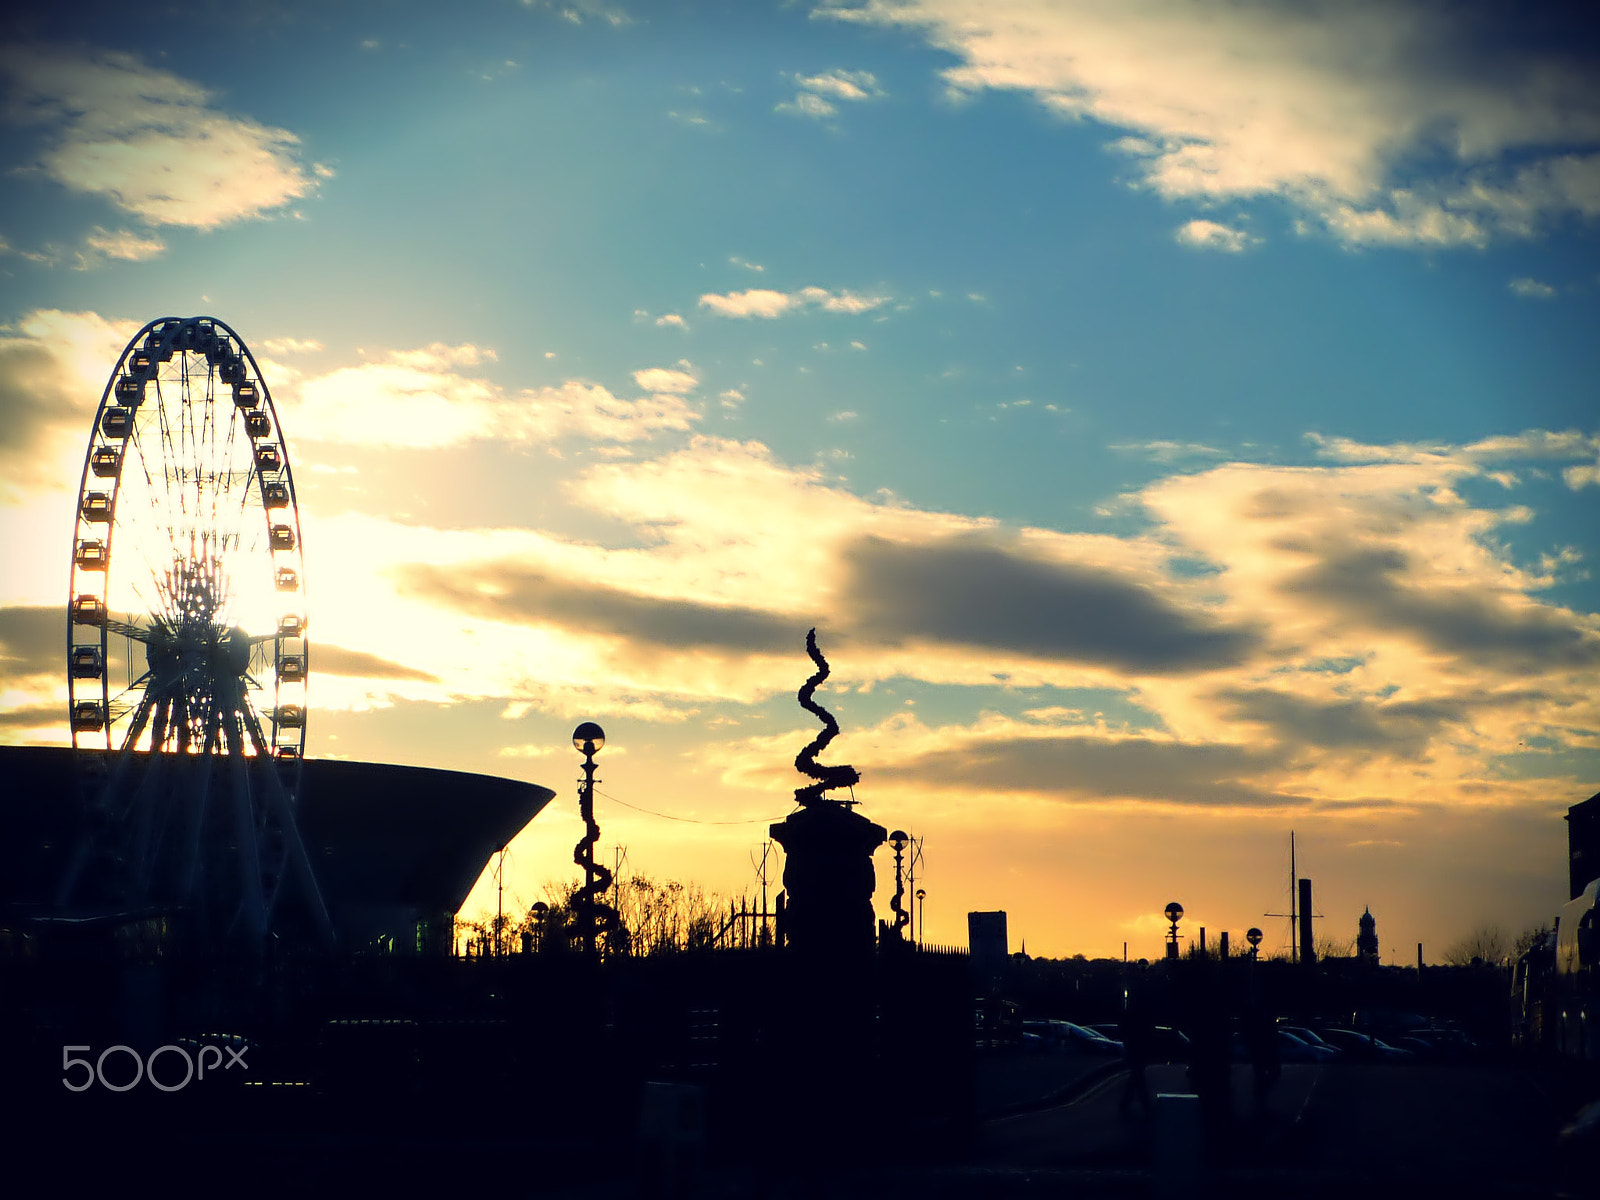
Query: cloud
[
  {"x": 289, "y": 345},
  {"x": 1473, "y": 625},
  {"x": 520, "y": 593},
  {"x": 102, "y": 244},
  {"x": 1399, "y": 627},
  {"x": 32, "y": 640},
  {"x": 336, "y": 660},
  {"x": 767, "y": 304},
  {"x": 54, "y": 367},
  {"x": 671, "y": 319},
  {"x": 1081, "y": 767},
  {"x": 429, "y": 397},
  {"x": 1166, "y": 452},
  {"x": 818, "y": 93},
  {"x": 1399, "y": 727},
  {"x": 1531, "y": 289},
  {"x": 971, "y": 591},
  {"x": 843, "y": 85},
  {"x": 807, "y": 104},
  {"x": 757, "y": 302},
  {"x": 1208, "y": 235},
  {"x": 1409, "y": 124},
  {"x": 1531, "y": 445},
  {"x": 665, "y": 379},
  {"x": 148, "y": 140}
]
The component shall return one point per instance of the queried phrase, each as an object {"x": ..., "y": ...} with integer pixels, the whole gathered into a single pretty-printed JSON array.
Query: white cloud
[
  {"x": 1532, "y": 444},
  {"x": 765, "y": 303},
  {"x": 1168, "y": 451},
  {"x": 807, "y": 104},
  {"x": 101, "y": 244},
  {"x": 1387, "y": 123},
  {"x": 148, "y": 140},
  {"x": 289, "y": 345},
  {"x": 1531, "y": 289},
  {"x": 53, "y": 369},
  {"x": 672, "y": 319},
  {"x": 428, "y": 397},
  {"x": 746, "y": 264},
  {"x": 666, "y": 379},
  {"x": 1209, "y": 235},
  {"x": 818, "y": 92},
  {"x": 843, "y": 85},
  {"x": 757, "y": 302}
]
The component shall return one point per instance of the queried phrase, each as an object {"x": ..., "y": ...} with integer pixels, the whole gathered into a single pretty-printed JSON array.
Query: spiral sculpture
[
  {"x": 806, "y": 761},
  {"x": 598, "y": 916},
  {"x": 595, "y": 916}
]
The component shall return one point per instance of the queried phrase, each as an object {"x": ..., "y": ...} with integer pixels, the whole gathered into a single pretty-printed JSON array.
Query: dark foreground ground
[{"x": 1343, "y": 1130}]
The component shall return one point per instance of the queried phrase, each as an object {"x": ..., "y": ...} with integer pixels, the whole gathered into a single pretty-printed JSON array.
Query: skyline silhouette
[{"x": 1160, "y": 479}]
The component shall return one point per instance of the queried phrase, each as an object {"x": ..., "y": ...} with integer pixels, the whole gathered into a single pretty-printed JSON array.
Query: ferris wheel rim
[{"x": 214, "y": 342}]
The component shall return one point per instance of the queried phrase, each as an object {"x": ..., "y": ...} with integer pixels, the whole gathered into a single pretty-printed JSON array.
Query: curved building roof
[{"x": 377, "y": 834}]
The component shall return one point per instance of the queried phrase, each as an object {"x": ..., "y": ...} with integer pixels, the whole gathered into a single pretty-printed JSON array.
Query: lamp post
[
  {"x": 1253, "y": 936},
  {"x": 587, "y": 739},
  {"x": 1174, "y": 913},
  {"x": 540, "y": 911},
  {"x": 922, "y": 931},
  {"x": 898, "y": 842}
]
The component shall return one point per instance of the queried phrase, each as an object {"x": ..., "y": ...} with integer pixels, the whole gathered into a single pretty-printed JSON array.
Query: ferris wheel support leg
[
  {"x": 299, "y": 860},
  {"x": 295, "y": 848},
  {"x": 145, "y": 846},
  {"x": 101, "y": 813},
  {"x": 250, "y": 899},
  {"x": 193, "y": 862}
]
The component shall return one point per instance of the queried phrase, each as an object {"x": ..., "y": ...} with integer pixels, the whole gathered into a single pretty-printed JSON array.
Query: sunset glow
[{"x": 1179, "y": 423}]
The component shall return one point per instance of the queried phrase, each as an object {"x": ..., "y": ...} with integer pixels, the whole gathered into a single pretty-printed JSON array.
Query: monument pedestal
[{"x": 828, "y": 879}]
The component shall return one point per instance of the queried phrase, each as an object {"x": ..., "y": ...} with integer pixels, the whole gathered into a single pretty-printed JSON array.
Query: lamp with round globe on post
[
  {"x": 1174, "y": 914},
  {"x": 587, "y": 739},
  {"x": 1253, "y": 936},
  {"x": 922, "y": 894},
  {"x": 898, "y": 842},
  {"x": 541, "y": 914}
]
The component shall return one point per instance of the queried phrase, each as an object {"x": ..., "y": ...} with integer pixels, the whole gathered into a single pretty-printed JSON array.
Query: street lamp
[
  {"x": 898, "y": 842},
  {"x": 1174, "y": 914},
  {"x": 1253, "y": 936},
  {"x": 587, "y": 739},
  {"x": 922, "y": 929}
]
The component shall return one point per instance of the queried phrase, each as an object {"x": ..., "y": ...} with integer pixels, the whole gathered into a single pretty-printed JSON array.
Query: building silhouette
[
  {"x": 986, "y": 938},
  {"x": 1367, "y": 939}
]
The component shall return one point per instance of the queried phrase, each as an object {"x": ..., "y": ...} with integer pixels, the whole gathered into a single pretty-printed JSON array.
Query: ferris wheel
[{"x": 187, "y": 658}]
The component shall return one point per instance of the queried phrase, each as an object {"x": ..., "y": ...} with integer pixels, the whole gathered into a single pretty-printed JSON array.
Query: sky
[{"x": 1179, "y": 421}]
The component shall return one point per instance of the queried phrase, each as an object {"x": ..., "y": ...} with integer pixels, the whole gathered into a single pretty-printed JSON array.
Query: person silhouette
[{"x": 1137, "y": 1033}]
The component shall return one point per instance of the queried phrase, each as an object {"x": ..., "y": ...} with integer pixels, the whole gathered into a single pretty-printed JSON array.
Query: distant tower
[{"x": 1367, "y": 939}]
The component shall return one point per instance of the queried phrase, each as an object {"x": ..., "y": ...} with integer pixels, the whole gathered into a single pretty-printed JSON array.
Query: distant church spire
[{"x": 1367, "y": 938}]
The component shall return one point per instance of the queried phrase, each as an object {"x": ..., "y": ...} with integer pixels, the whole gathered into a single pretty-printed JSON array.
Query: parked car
[
  {"x": 1449, "y": 1045},
  {"x": 1293, "y": 1049},
  {"x": 1363, "y": 1047},
  {"x": 1166, "y": 1043},
  {"x": 1310, "y": 1037},
  {"x": 1072, "y": 1038}
]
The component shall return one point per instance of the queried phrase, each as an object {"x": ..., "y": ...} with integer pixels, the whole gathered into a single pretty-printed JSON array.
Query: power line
[{"x": 687, "y": 820}]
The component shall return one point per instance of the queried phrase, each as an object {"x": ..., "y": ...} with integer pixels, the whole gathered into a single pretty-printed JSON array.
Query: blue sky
[{"x": 1179, "y": 420}]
